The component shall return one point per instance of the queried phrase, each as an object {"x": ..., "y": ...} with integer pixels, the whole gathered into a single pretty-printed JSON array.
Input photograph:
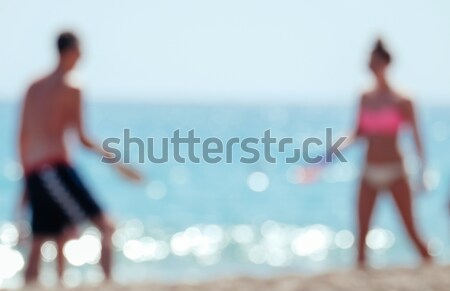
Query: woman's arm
[
  {"x": 412, "y": 118},
  {"x": 351, "y": 138},
  {"x": 356, "y": 133},
  {"x": 310, "y": 174}
]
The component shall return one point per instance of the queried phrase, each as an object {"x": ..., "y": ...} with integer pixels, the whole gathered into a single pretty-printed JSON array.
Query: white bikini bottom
[{"x": 383, "y": 175}]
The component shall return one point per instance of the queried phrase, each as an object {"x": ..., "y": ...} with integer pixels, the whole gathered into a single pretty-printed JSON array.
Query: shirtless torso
[{"x": 51, "y": 109}]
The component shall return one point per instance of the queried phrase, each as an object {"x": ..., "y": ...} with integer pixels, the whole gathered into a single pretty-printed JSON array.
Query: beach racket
[
  {"x": 308, "y": 175},
  {"x": 129, "y": 173}
]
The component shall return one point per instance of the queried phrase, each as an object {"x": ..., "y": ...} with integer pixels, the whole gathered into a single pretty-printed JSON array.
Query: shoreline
[{"x": 430, "y": 277}]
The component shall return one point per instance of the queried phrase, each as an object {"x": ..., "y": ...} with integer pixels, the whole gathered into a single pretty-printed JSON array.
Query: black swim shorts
[{"x": 58, "y": 200}]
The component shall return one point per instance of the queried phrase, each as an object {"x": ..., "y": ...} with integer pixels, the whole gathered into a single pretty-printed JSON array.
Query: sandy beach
[{"x": 436, "y": 278}]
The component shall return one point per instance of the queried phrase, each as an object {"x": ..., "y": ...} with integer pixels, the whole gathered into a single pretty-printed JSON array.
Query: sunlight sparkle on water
[
  {"x": 258, "y": 181},
  {"x": 344, "y": 239},
  {"x": 11, "y": 262},
  {"x": 85, "y": 250},
  {"x": 9, "y": 235},
  {"x": 380, "y": 239},
  {"x": 311, "y": 241},
  {"x": 49, "y": 251}
]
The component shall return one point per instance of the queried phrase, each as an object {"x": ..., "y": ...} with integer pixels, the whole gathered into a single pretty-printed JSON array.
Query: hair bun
[
  {"x": 379, "y": 43},
  {"x": 380, "y": 49}
]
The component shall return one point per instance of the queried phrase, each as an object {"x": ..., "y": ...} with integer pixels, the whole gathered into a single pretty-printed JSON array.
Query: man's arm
[
  {"x": 78, "y": 123},
  {"x": 126, "y": 171}
]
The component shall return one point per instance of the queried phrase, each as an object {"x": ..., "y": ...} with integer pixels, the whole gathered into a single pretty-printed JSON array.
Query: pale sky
[{"x": 233, "y": 50}]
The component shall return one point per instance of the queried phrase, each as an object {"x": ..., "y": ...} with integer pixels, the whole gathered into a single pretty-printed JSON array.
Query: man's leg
[
  {"x": 34, "y": 259},
  {"x": 106, "y": 228}
]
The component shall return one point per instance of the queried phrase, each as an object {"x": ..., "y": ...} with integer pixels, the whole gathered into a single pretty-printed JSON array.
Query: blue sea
[{"x": 200, "y": 221}]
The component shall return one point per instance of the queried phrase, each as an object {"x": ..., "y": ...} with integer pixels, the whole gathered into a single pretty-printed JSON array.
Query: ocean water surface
[{"x": 200, "y": 221}]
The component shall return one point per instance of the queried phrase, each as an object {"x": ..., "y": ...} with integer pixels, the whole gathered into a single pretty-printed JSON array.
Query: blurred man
[{"x": 59, "y": 201}]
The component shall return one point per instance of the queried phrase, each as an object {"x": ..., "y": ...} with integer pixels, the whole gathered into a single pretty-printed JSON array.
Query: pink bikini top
[{"x": 385, "y": 121}]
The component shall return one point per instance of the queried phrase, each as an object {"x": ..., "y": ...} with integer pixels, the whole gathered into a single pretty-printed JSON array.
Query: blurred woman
[{"x": 383, "y": 113}]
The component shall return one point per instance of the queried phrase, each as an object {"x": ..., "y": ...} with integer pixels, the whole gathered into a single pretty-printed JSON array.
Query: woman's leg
[
  {"x": 401, "y": 193},
  {"x": 366, "y": 202}
]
